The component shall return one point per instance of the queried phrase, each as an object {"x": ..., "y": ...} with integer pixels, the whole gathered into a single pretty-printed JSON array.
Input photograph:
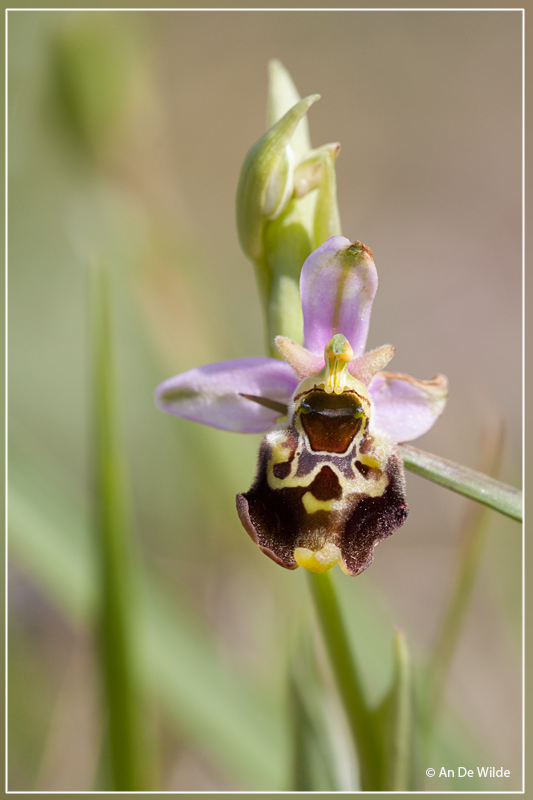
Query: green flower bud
[
  {"x": 286, "y": 204},
  {"x": 266, "y": 182}
]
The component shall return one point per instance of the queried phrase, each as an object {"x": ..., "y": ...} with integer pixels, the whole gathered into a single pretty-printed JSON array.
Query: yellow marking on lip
[
  {"x": 312, "y": 505},
  {"x": 280, "y": 452},
  {"x": 378, "y": 456},
  {"x": 369, "y": 461},
  {"x": 319, "y": 560}
]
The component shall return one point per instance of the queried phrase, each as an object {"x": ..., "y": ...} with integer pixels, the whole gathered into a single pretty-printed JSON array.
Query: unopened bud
[{"x": 266, "y": 180}]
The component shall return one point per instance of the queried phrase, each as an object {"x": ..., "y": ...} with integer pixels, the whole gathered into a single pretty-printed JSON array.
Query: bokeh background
[{"x": 127, "y": 131}]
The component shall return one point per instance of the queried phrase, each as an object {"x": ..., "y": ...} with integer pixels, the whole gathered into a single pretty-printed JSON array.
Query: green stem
[
  {"x": 468, "y": 482},
  {"x": 348, "y": 679},
  {"x": 111, "y": 531}
]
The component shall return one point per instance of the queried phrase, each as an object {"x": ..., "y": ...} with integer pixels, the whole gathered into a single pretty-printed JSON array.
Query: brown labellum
[{"x": 327, "y": 489}]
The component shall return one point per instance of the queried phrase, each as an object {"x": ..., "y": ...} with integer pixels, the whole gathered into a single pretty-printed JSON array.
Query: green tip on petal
[{"x": 358, "y": 253}]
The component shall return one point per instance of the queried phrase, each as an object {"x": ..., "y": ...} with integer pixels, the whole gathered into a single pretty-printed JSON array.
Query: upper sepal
[{"x": 337, "y": 285}]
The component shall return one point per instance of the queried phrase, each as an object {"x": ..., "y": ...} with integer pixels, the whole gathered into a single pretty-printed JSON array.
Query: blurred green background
[{"x": 127, "y": 131}]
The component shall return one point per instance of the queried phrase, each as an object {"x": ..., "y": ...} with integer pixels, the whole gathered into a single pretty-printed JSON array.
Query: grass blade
[
  {"x": 472, "y": 542},
  {"x": 114, "y": 626},
  {"x": 348, "y": 679},
  {"x": 312, "y": 762},
  {"x": 399, "y": 731}
]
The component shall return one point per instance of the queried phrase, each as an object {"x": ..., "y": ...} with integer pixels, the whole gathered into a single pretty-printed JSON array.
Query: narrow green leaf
[
  {"x": 312, "y": 760},
  {"x": 475, "y": 485},
  {"x": 304, "y": 754},
  {"x": 398, "y": 733},
  {"x": 111, "y": 530},
  {"x": 471, "y": 544},
  {"x": 348, "y": 680}
]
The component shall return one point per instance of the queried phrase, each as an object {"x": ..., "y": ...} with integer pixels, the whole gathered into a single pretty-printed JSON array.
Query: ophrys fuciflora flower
[{"x": 330, "y": 481}]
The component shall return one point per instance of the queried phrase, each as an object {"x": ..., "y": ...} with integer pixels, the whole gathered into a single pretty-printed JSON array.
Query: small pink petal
[
  {"x": 301, "y": 360},
  {"x": 405, "y": 407},
  {"x": 365, "y": 367}
]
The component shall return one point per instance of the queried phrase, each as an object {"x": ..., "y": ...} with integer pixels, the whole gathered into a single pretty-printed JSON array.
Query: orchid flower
[{"x": 330, "y": 482}]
